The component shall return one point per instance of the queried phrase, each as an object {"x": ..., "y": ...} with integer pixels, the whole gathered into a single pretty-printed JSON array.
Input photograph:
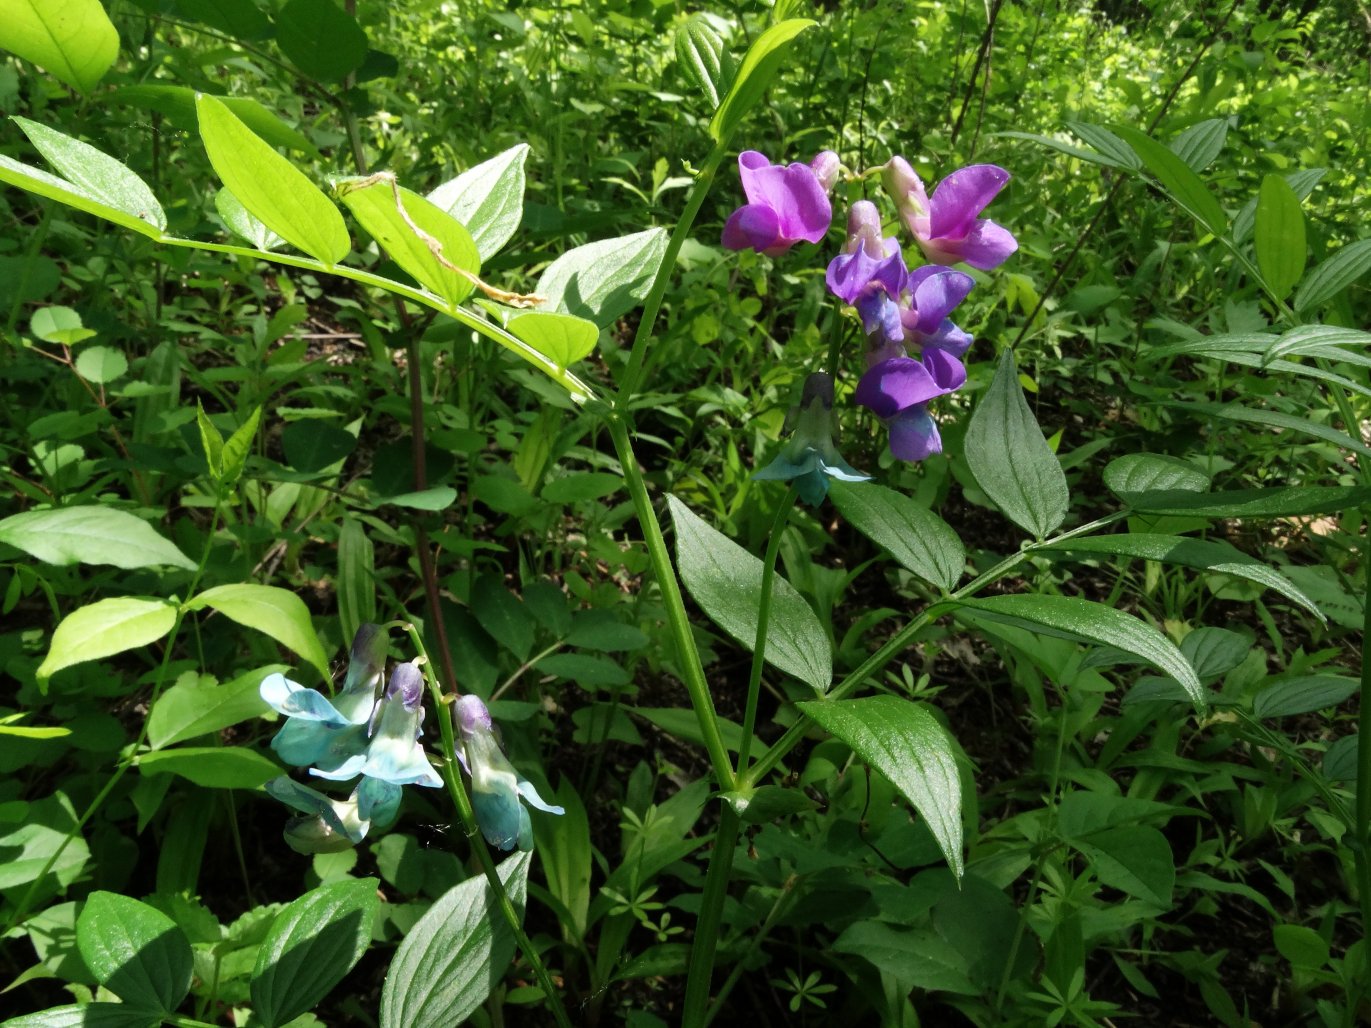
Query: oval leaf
[
  {"x": 1144, "y": 472},
  {"x": 604, "y": 280},
  {"x": 51, "y": 186},
  {"x": 1010, "y": 458},
  {"x": 759, "y": 65},
  {"x": 96, "y": 173},
  {"x": 190, "y": 708},
  {"x": 488, "y": 199},
  {"x": 1303, "y": 694},
  {"x": 272, "y": 611},
  {"x": 1071, "y": 618},
  {"x": 90, "y": 535},
  {"x": 311, "y": 945},
  {"x": 1136, "y": 859},
  {"x": 907, "y": 744},
  {"x": 562, "y": 338},
  {"x": 321, "y": 39},
  {"x": 1279, "y": 236},
  {"x": 104, "y": 628},
  {"x": 134, "y": 950},
  {"x": 726, "y": 581},
  {"x": 915, "y": 536},
  {"x": 455, "y": 955},
  {"x": 268, "y": 185},
  {"x": 74, "y": 40}
]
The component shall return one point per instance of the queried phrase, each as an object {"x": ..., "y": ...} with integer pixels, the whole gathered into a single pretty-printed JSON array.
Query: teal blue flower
[
  {"x": 809, "y": 458},
  {"x": 393, "y": 756},
  {"x": 495, "y": 786},
  {"x": 325, "y": 825}
]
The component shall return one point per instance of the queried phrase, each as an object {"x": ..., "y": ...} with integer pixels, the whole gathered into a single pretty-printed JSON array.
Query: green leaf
[
  {"x": 312, "y": 444},
  {"x": 1333, "y": 275},
  {"x": 759, "y": 66},
  {"x": 683, "y": 724},
  {"x": 59, "y": 325},
  {"x": 356, "y": 576},
  {"x": 604, "y": 280},
  {"x": 90, "y": 535},
  {"x": 1111, "y": 147},
  {"x": 273, "y": 611},
  {"x": 54, "y": 188},
  {"x": 562, "y": 338},
  {"x": 1136, "y": 859},
  {"x": 1318, "y": 341},
  {"x": 488, "y": 199},
  {"x": 375, "y": 207},
  {"x": 582, "y": 486},
  {"x": 48, "y": 832},
  {"x": 590, "y": 673},
  {"x": 95, "y": 173},
  {"x": 916, "y": 537},
  {"x": 726, "y": 581},
  {"x": 1275, "y": 419},
  {"x": 89, "y": 1015},
  {"x": 321, "y": 39},
  {"x": 1275, "y": 502},
  {"x": 311, "y": 945},
  {"x": 1177, "y": 180},
  {"x": 915, "y": 959},
  {"x": 1068, "y": 617},
  {"x": 1303, "y": 695},
  {"x": 73, "y": 40},
  {"x": 1305, "y": 948},
  {"x": 440, "y": 497},
  {"x": 268, "y": 185},
  {"x": 241, "y": 222},
  {"x": 189, "y": 708},
  {"x": 214, "y": 767},
  {"x": 239, "y": 445},
  {"x": 104, "y": 628},
  {"x": 456, "y": 953},
  {"x": 134, "y": 950},
  {"x": 701, "y": 54},
  {"x": 1198, "y": 145},
  {"x": 1145, "y": 472},
  {"x": 211, "y": 442},
  {"x": 1206, "y": 555},
  {"x": 907, "y": 744},
  {"x": 1279, "y": 236},
  {"x": 1010, "y": 458},
  {"x": 101, "y": 364},
  {"x": 501, "y": 614},
  {"x": 177, "y": 104}
]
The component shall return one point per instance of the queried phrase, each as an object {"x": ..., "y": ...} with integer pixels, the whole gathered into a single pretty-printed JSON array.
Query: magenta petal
[
  {"x": 753, "y": 227},
  {"x": 961, "y": 196},
  {"x": 850, "y": 275},
  {"x": 988, "y": 245},
  {"x": 896, "y": 385},
  {"x": 947, "y": 371},
  {"x": 936, "y": 292},
  {"x": 804, "y": 209},
  {"x": 914, "y": 436}
]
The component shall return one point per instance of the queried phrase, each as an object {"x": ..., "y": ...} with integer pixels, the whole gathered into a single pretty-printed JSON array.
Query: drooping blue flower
[
  {"x": 325, "y": 825},
  {"x": 495, "y": 785},
  {"x": 809, "y": 459},
  {"x": 326, "y": 732}
]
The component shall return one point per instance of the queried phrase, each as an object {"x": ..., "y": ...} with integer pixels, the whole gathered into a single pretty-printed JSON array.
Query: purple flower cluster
[{"x": 916, "y": 350}]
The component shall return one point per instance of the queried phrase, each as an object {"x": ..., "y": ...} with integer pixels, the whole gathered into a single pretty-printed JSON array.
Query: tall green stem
[
  {"x": 754, "y": 679},
  {"x": 701, "y": 971},
  {"x": 687, "y": 656}
]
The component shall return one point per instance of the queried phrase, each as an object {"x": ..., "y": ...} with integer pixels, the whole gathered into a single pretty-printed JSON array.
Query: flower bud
[{"x": 826, "y": 166}]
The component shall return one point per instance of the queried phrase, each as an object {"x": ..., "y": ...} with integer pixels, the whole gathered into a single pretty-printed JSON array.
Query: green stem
[
  {"x": 653, "y": 304},
  {"x": 787, "y": 742},
  {"x": 462, "y": 802},
  {"x": 687, "y": 655},
  {"x": 781, "y": 906},
  {"x": 754, "y": 680},
  {"x": 701, "y": 970}
]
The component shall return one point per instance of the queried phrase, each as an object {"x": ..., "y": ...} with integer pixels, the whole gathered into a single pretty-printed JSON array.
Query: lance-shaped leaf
[
  {"x": 726, "y": 581},
  {"x": 73, "y": 40},
  {"x": 135, "y": 951},
  {"x": 104, "y": 628},
  {"x": 488, "y": 199},
  {"x": 273, "y": 611},
  {"x": 311, "y": 945},
  {"x": 1334, "y": 274},
  {"x": 1010, "y": 458},
  {"x": 1177, "y": 180},
  {"x": 415, "y": 236},
  {"x": 1067, "y": 617},
  {"x": 276, "y": 192},
  {"x": 701, "y": 53},
  {"x": 915, "y": 536},
  {"x": 1279, "y": 236},
  {"x": 905, "y": 742},
  {"x": 759, "y": 65},
  {"x": 91, "y": 535},
  {"x": 455, "y": 954},
  {"x": 1275, "y": 502}
]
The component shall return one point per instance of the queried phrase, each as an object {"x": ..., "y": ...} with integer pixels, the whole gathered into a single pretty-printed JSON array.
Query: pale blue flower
[{"x": 495, "y": 785}]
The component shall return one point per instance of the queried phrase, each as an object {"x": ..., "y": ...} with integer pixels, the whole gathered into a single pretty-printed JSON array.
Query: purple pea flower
[
  {"x": 870, "y": 273},
  {"x": 786, "y": 203},
  {"x": 945, "y": 225},
  {"x": 897, "y": 391}
]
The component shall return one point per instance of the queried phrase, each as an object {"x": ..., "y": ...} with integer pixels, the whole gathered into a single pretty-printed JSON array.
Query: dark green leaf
[
  {"x": 321, "y": 39},
  {"x": 1136, "y": 859},
  {"x": 1144, "y": 472},
  {"x": 1115, "y": 150},
  {"x": 314, "y": 445},
  {"x": 1177, "y": 180},
  {"x": 915, "y": 536},
  {"x": 1279, "y": 236},
  {"x": 503, "y": 615},
  {"x": 1198, "y": 145},
  {"x": 135, "y": 951},
  {"x": 1303, "y": 694},
  {"x": 1275, "y": 502}
]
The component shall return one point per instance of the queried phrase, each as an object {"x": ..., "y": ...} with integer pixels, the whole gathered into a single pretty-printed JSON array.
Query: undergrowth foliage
[{"x": 919, "y": 579}]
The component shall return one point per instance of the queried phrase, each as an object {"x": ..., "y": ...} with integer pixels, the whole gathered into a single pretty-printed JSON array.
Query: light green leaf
[
  {"x": 915, "y": 536},
  {"x": 269, "y": 186},
  {"x": 310, "y": 947},
  {"x": 701, "y": 54},
  {"x": 1010, "y": 458},
  {"x": 238, "y": 446},
  {"x": 562, "y": 338},
  {"x": 1067, "y": 617},
  {"x": 89, "y": 1015},
  {"x": 51, "y": 186},
  {"x": 214, "y": 767},
  {"x": 440, "y": 497},
  {"x": 356, "y": 576},
  {"x": 759, "y": 65},
  {"x": 455, "y": 955},
  {"x": 95, "y": 173},
  {"x": 1177, "y": 180},
  {"x": 1334, "y": 274},
  {"x": 907, "y": 744},
  {"x": 211, "y": 442},
  {"x": 242, "y": 223},
  {"x": 73, "y": 40},
  {"x": 375, "y": 207},
  {"x": 59, "y": 325},
  {"x": 604, "y": 280},
  {"x": 104, "y": 628},
  {"x": 134, "y": 950},
  {"x": 101, "y": 364},
  {"x": 189, "y": 708},
  {"x": 90, "y": 535},
  {"x": 1198, "y": 145},
  {"x": 273, "y": 611},
  {"x": 1111, "y": 147},
  {"x": 488, "y": 199},
  {"x": 1279, "y": 236},
  {"x": 726, "y": 581}
]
